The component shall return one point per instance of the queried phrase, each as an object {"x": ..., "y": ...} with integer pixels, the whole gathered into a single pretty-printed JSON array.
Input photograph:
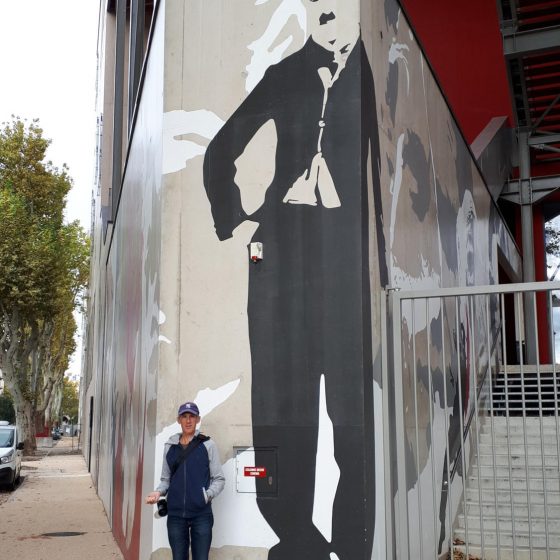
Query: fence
[{"x": 472, "y": 428}]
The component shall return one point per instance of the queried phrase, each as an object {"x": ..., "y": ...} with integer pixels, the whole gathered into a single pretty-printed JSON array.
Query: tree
[
  {"x": 7, "y": 411},
  {"x": 552, "y": 244},
  {"x": 70, "y": 399},
  {"x": 44, "y": 264}
]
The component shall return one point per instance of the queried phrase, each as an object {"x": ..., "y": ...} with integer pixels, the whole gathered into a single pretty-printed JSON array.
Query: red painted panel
[
  {"x": 540, "y": 275},
  {"x": 463, "y": 43},
  {"x": 129, "y": 545}
]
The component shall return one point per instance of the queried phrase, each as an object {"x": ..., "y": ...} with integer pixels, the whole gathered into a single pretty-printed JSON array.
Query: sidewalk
[{"x": 55, "y": 513}]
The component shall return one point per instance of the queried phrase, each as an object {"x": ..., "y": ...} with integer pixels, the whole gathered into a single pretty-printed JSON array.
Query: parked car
[
  {"x": 11, "y": 451},
  {"x": 56, "y": 433}
]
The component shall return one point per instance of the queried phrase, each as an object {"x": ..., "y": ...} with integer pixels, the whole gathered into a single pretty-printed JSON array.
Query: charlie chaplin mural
[{"x": 309, "y": 309}]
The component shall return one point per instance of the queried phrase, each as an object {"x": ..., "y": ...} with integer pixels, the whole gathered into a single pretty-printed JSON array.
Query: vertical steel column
[
  {"x": 525, "y": 444},
  {"x": 508, "y": 433},
  {"x": 387, "y": 431},
  {"x": 415, "y": 386},
  {"x": 431, "y": 405},
  {"x": 526, "y": 200},
  {"x": 445, "y": 407},
  {"x": 403, "y": 550},
  {"x": 474, "y": 380},
  {"x": 541, "y": 426},
  {"x": 464, "y": 478},
  {"x": 492, "y": 432},
  {"x": 555, "y": 378}
]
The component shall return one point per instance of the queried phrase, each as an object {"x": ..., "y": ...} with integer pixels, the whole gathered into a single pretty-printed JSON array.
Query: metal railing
[{"x": 473, "y": 439}]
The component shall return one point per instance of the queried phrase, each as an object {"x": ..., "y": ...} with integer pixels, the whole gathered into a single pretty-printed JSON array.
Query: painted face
[{"x": 333, "y": 24}]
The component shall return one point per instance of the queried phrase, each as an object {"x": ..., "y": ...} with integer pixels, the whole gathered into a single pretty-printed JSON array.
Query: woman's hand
[{"x": 153, "y": 497}]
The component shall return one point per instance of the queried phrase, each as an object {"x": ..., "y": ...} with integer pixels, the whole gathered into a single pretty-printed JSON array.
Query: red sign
[{"x": 257, "y": 472}]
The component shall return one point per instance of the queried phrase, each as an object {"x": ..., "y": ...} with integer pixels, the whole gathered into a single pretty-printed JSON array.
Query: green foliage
[
  {"x": 70, "y": 399},
  {"x": 7, "y": 410},
  {"x": 552, "y": 240},
  {"x": 33, "y": 239},
  {"x": 44, "y": 266}
]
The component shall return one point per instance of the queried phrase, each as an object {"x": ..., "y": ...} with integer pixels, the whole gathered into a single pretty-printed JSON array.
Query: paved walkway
[{"x": 56, "y": 496}]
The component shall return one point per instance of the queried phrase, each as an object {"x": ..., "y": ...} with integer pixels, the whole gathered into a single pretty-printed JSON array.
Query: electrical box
[{"x": 249, "y": 474}]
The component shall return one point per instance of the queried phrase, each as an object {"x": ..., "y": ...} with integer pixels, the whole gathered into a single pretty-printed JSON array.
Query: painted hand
[{"x": 303, "y": 190}]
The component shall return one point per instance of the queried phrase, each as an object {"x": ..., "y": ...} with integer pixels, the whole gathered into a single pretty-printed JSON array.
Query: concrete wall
[
  {"x": 443, "y": 231},
  {"x": 123, "y": 329},
  {"x": 282, "y": 356}
]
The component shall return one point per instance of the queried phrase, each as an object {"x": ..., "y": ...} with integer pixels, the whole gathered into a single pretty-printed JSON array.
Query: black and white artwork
[
  {"x": 309, "y": 298},
  {"x": 314, "y": 130}
]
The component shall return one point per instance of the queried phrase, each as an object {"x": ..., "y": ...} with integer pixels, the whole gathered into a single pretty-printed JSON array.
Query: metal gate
[{"x": 471, "y": 401}]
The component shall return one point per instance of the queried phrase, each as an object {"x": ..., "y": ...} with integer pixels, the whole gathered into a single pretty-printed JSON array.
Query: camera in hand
[{"x": 162, "y": 507}]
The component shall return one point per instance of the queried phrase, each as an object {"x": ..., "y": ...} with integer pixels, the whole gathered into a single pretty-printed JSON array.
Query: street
[{"x": 54, "y": 512}]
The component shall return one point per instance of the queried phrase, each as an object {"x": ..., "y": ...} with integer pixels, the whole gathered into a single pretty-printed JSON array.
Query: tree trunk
[
  {"x": 17, "y": 344},
  {"x": 26, "y": 423},
  {"x": 25, "y": 416}
]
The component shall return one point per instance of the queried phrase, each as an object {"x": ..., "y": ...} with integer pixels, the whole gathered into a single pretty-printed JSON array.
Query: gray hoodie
[{"x": 199, "y": 479}]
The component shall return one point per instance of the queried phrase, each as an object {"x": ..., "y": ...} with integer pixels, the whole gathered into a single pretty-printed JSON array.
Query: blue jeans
[{"x": 193, "y": 531}]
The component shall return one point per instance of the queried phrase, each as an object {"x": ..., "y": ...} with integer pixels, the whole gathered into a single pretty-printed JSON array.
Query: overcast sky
[{"x": 47, "y": 71}]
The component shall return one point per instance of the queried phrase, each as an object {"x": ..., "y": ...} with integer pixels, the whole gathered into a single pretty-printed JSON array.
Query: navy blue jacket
[{"x": 196, "y": 482}]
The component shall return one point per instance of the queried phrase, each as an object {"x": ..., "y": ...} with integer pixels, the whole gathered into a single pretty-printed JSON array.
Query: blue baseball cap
[{"x": 189, "y": 407}]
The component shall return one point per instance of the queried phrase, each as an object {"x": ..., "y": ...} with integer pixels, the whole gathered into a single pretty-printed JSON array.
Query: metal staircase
[
  {"x": 476, "y": 474},
  {"x": 511, "y": 507},
  {"x": 526, "y": 390}
]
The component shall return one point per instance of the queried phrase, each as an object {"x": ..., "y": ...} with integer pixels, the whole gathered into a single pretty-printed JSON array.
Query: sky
[{"x": 47, "y": 71}]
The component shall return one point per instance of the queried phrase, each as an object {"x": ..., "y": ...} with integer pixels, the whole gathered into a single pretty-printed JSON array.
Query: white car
[{"x": 11, "y": 451}]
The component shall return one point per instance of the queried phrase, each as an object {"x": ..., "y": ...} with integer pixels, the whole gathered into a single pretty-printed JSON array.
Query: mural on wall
[
  {"x": 104, "y": 409},
  {"x": 137, "y": 365},
  {"x": 349, "y": 187},
  {"x": 308, "y": 303},
  {"x": 444, "y": 231},
  {"x": 282, "y": 165},
  {"x": 129, "y": 403},
  {"x": 317, "y": 102},
  {"x": 131, "y": 344}
]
